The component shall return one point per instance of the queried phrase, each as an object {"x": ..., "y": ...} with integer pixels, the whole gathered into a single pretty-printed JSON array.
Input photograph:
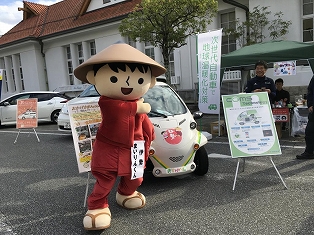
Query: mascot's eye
[
  {"x": 140, "y": 80},
  {"x": 113, "y": 79}
]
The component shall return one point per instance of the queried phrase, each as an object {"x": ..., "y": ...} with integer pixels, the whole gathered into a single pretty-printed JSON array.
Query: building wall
[
  {"x": 34, "y": 73},
  {"x": 56, "y": 53},
  {"x": 50, "y": 71},
  {"x": 292, "y": 10},
  {"x": 33, "y": 68}
]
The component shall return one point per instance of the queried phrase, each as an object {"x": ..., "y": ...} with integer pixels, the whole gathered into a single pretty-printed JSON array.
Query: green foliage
[
  {"x": 252, "y": 31},
  {"x": 167, "y": 23}
]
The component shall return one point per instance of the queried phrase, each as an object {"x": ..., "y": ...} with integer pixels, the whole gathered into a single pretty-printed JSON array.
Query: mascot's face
[{"x": 122, "y": 85}]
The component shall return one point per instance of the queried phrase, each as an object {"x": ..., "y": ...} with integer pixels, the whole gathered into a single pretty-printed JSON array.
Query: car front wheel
[
  {"x": 201, "y": 161},
  {"x": 54, "y": 116}
]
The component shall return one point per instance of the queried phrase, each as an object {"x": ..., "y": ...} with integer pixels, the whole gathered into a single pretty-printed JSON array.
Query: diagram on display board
[{"x": 250, "y": 125}]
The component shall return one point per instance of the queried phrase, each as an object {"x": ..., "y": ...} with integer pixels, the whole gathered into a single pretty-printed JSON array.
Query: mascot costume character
[{"x": 121, "y": 75}]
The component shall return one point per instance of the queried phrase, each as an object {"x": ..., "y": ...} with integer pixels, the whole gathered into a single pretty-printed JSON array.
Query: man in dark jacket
[
  {"x": 261, "y": 83},
  {"x": 282, "y": 96},
  {"x": 309, "y": 130}
]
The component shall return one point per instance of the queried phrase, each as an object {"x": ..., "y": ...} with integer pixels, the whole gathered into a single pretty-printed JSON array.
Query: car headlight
[{"x": 64, "y": 109}]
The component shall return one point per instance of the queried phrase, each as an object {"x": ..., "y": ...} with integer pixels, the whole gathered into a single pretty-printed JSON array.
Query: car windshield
[
  {"x": 89, "y": 92},
  {"x": 164, "y": 102}
]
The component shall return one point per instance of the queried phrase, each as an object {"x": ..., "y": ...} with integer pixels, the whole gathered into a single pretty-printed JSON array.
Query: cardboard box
[{"x": 214, "y": 128}]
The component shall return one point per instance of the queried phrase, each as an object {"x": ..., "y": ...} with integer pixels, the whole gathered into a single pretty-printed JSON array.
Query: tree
[
  {"x": 167, "y": 23},
  {"x": 252, "y": 30}
]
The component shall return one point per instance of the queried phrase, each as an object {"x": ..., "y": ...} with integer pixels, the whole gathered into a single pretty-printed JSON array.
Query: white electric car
[{"x": 178, "y": 147}]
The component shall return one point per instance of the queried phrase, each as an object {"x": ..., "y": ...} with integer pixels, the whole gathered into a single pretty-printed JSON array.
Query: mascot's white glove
[{"x": 142, "y": 107}]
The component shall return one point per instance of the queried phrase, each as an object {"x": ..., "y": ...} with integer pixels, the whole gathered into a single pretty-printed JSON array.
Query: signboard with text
[
  {"x": 85, "y": 120},
  {"x": 281, "y": 114},
  {"x": 26, "y": 113},
  {"x": 250, "y": 125},
  {"x": 285, "y": 68},
  {"x": 209, "y": 57}
]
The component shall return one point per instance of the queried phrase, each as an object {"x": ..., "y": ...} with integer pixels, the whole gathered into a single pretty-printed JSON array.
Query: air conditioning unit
[
  {"x": 232, "y": 76},
  {"x": 175, "y": 80}
]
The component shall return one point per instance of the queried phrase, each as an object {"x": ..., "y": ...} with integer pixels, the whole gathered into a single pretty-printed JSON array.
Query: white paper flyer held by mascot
[{"x": 121, "y": 75}]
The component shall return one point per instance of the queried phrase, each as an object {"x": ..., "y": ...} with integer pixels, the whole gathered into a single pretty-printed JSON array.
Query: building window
[
  {"x": 131, "y": 42},
  {"x": 105, "y": 1},
  {"x": 12, "y": 73},
  {"x": 308, "y": 30},
  {"x": 171, "y": 64},
  {"x": 308, "y": 20},
  {"x": 21, "y": 73},
  {"x": 70, "y": 65},
  {"x": 307, "y": 7},
  {"x": 80, "y": 53},
  {"x": 149, "y": 50},
  {"x": 6, "y": 85},
  {"x": 4, "y": 76},
  {"x": 92, "y": 46},
  {"x": 228, "y": 21}
]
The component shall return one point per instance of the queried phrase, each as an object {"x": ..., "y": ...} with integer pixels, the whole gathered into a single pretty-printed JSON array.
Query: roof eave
[
  {"x": 13, "y": 43},
  {"x": 87, "y": 26}
]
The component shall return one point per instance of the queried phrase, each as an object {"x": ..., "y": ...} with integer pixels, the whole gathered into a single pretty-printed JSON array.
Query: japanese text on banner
[{"x": 209, "y": 57}]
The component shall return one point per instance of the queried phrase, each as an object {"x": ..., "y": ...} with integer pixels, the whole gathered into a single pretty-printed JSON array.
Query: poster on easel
[
  {"x": 250, "y": 125},
  {"x": 27, "y": 113},
  {"x": 85, "y": 120}
]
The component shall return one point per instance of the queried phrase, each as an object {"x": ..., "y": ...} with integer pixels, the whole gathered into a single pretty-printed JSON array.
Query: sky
[{"x": 10, "y": 16}]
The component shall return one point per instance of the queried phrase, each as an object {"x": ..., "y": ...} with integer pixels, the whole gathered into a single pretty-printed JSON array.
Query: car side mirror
[
  {"x": 5, "y": 103},
  {"x": 197, "y": 115}
]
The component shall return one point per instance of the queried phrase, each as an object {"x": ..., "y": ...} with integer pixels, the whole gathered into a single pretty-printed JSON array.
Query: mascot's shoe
[
  {"x": 131, "y": 202},
  {"x": 97, "y": 219}
]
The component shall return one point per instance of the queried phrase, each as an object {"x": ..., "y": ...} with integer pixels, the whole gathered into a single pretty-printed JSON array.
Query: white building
[{"x": 41, "y": 52}]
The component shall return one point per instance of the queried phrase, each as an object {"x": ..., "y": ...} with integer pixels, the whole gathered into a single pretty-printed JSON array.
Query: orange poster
[{"x": 26, "y": 114}]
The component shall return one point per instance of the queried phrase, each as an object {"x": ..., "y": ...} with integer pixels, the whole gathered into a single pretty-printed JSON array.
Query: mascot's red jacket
[{"x": 120, "y": 126}]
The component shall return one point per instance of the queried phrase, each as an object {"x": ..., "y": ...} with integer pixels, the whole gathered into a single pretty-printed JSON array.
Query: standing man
[
  {"x": 282, "y": 96},
  {"x": 309, "y": 130},
  {"x": 261, "y": 83}
]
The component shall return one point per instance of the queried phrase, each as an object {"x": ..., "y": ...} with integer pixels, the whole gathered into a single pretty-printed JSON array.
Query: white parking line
[
  {"x": 32, "y": 132},
  {"x": 283, "y": 146},
  {"x": 217, "y": 155}
]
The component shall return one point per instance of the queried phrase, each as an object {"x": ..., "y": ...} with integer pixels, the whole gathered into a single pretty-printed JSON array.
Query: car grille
[{"x": 176, "y": 159}]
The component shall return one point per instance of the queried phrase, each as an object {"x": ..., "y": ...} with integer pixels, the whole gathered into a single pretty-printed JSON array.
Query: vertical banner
[
  {"x": 209, "y": 57},
  {"x": 26, "y": 113},
  {"x": 85, "y": 120},
  {"x": 1, "y": 75},
  {"x": 250, "y": 125}
]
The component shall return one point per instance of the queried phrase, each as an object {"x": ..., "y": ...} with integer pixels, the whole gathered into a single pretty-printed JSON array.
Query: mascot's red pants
[{"x": 105, "y": 181}]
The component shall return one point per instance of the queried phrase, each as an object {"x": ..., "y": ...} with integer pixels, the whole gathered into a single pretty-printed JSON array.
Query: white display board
[{"x": 250, "y": 125}]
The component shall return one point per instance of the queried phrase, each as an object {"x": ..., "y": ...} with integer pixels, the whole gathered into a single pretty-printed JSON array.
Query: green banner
[{"x": 250, "y": 125}]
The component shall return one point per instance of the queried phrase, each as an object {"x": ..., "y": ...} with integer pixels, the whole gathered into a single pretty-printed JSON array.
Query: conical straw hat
[{"x": 119, "y": 52}]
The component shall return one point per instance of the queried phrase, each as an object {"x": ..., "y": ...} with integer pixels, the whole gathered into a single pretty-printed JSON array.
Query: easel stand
[
  {"x": 27, "y": 136},
  {"x": 87, "y": 186},
  {"x": 237, "y": 169}
]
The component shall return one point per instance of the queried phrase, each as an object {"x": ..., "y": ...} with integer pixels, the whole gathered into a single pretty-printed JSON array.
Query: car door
[
  {"x": 45, "y": 104},
  {"x": 9, "y": 108}
]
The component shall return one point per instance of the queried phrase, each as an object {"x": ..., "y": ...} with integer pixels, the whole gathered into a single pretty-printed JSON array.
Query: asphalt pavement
[{"x": 43, "y": 193}]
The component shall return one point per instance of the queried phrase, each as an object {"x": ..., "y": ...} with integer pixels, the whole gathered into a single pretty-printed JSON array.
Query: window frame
[
  {"x": 309, "y": 31},
  {"x": 230, "y": 42}
]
